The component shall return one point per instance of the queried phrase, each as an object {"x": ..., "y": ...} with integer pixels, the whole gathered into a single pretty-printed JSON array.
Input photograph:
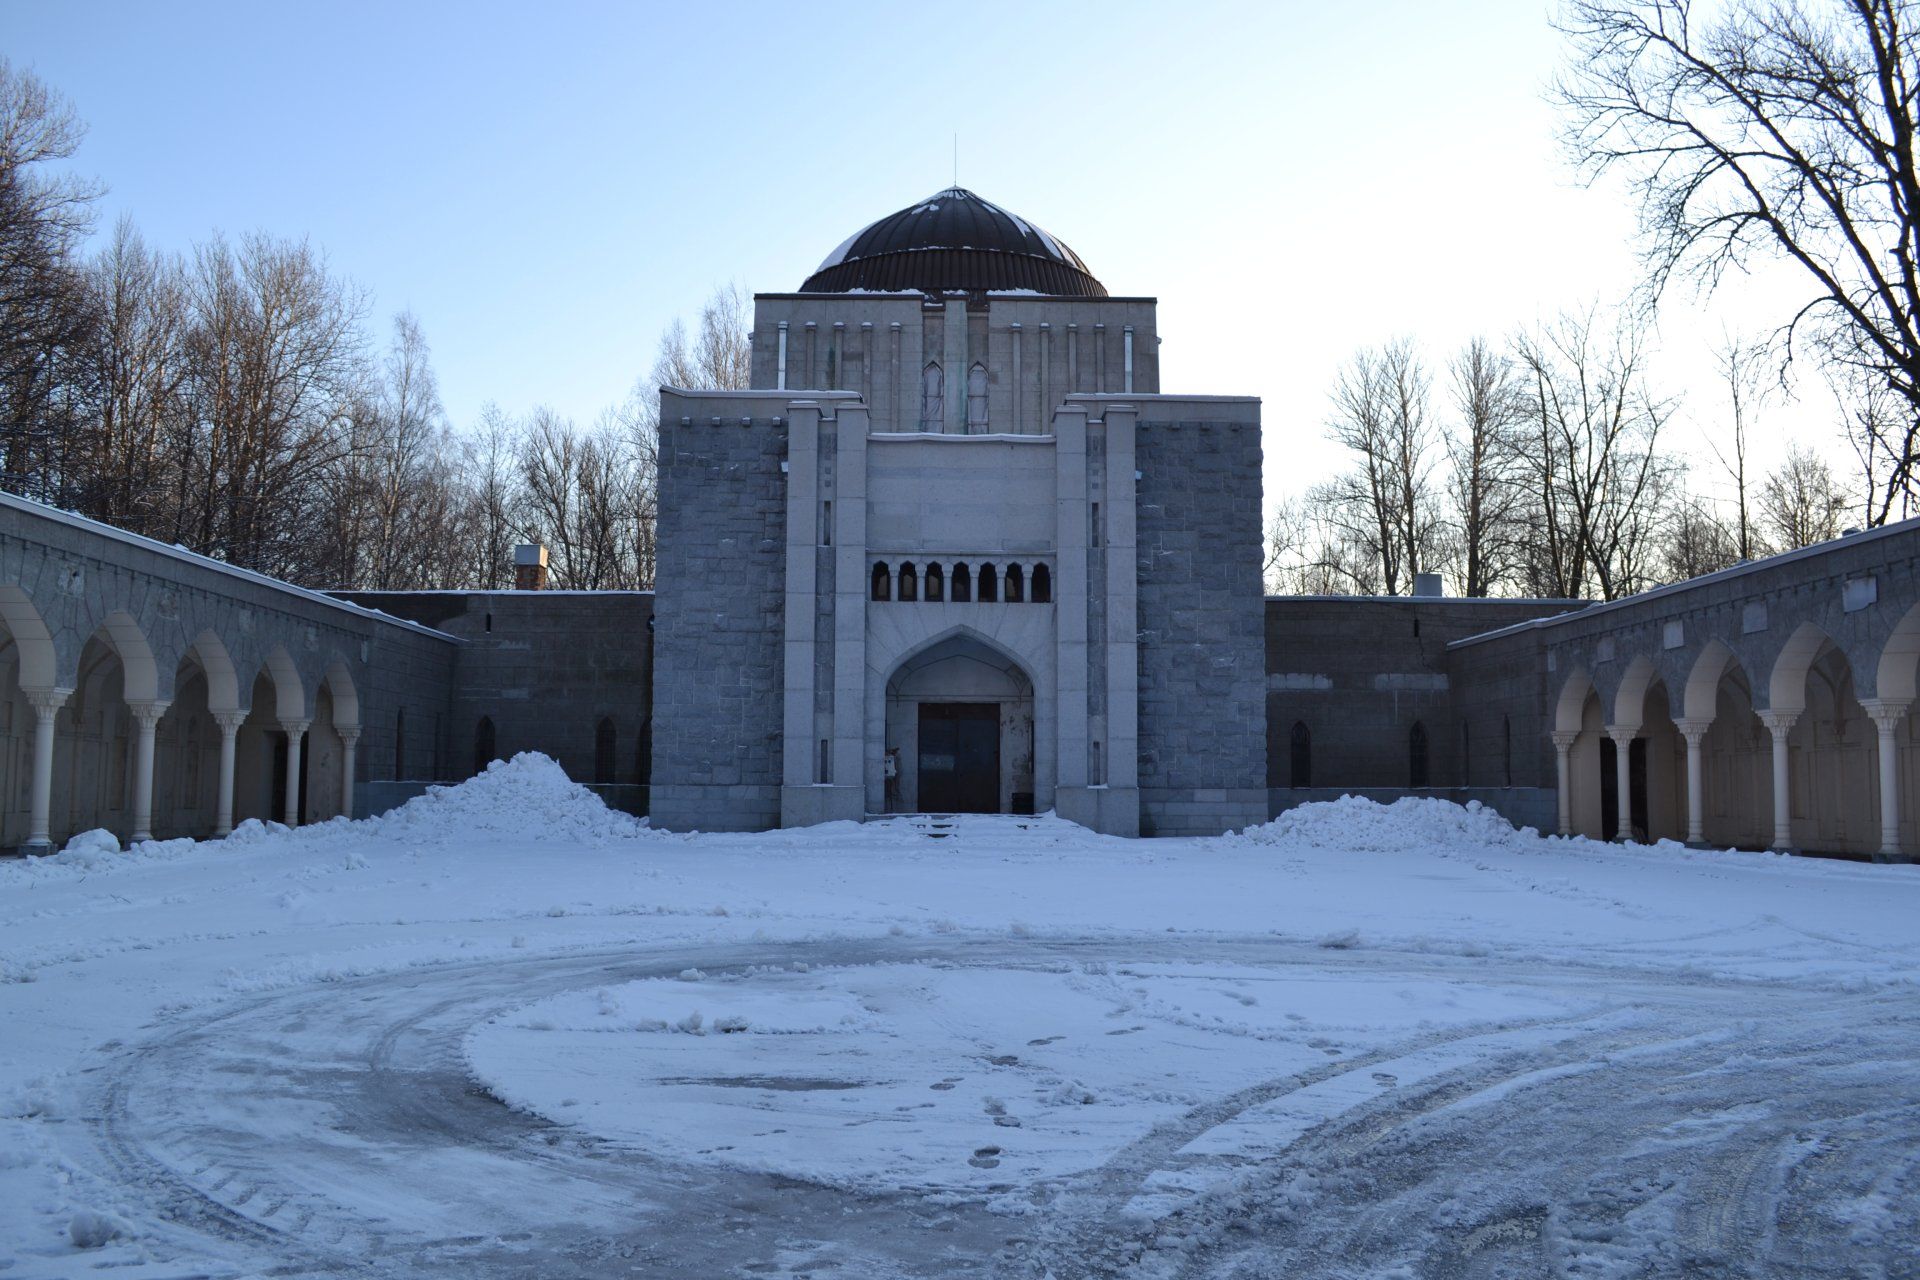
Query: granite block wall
[
  {"x": 546, "y": 669},
  {"x": 1202, "y": 680},
  {"x": 719, "y": 614}
]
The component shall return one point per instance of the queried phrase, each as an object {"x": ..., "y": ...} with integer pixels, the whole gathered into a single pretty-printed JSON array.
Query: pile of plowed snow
[
  {"x": 1367, "y": 826},
  {"x": 528, "y": 795}
]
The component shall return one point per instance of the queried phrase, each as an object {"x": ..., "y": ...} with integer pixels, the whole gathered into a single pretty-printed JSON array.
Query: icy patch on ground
[{"x": 926, "y": 1076}]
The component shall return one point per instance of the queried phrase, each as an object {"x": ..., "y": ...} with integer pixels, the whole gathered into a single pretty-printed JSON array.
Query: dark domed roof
[{"x": 951, "y": 242}]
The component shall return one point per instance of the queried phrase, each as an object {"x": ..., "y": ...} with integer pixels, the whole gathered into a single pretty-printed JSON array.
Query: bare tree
[
  {"x": 1776, "y": 129},
  {"x": 1381, "y": 415},
  {"x": 1800, "y": 501},
  {"x": 47, "y": 320},
  {"x": 1487, "y": 478},
  {"x": 1740, "y": 363},
  {"x": 1698, "y": 541},
  {"x": 1598, "y": 475}
]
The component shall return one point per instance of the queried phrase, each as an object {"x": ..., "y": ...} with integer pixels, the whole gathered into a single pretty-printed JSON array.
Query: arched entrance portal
[{"x": 960, "y": 731}]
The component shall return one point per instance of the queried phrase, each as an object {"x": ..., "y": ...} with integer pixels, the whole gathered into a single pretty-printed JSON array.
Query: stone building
[
  {"x": 960, "y": 551},
  {"x": 956, "y": 550}
]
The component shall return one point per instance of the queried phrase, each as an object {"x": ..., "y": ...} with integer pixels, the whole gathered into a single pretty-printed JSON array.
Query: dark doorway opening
[
  {"x": 1610, "y": 789},
  {"x": 960, "y": 757},
  {"x": 279, "y": 803}
]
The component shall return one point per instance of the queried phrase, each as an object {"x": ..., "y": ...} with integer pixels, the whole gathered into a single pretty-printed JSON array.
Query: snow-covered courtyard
[{"x": 506, "y": 1032}]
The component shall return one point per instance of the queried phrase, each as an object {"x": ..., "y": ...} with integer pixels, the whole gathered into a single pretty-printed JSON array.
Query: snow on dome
[{"x": 528, "y": 795}]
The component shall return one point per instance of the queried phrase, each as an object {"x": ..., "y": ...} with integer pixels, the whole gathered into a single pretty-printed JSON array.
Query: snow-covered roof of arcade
[{"x": 954, "y": 241}]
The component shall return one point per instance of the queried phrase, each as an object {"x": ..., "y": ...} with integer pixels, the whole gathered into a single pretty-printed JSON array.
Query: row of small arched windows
[{"x": 963, "y": 584}]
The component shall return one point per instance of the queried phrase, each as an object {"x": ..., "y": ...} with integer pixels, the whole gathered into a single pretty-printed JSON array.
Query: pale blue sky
[{"x": 548, "y": 186}]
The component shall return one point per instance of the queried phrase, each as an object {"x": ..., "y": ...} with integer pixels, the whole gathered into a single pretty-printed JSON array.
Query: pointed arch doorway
[{"x": 960, "y": 727}]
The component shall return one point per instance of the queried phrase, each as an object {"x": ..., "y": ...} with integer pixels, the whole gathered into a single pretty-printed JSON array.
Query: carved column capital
[
  {"x": 229, "y": 721},
  {"x": 1563, "y": 739},
  {"x": 1778, "y": 722},
  {"x": 1622, "y": 734},
  {"x": 1885, "y": 712},
  {"x": 147, "y": 711},
  {"x": 1693, "y": 730},
  {"x": 47, "y": 701},
  {"x": 296, "y": 728},
  {"x": 349, "y": 735}
]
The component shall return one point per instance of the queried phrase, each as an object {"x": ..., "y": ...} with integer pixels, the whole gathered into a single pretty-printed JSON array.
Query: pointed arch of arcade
[
  {"x": 272, "y": 737},
  {"x": 104, "y": 764},
  {"x": 1896, "y": 684}
]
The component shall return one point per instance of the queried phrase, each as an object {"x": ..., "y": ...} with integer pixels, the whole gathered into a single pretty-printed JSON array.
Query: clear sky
[{"x": 547, "y": 185}]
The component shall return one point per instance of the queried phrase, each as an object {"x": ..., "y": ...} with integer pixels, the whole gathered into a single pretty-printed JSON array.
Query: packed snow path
[{"x": 504, "y": 1033}]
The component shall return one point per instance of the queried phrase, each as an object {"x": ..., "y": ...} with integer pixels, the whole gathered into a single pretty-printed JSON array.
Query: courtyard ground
[{"x": 506, "y": 1032}]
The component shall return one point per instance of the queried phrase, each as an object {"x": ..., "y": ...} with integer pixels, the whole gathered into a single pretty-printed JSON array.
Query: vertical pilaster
[
  {"x": 1122, "y": 636},
  {"x": 849, "y": 748},
  {"x": 954, "y": 360},
  {"x": 1070, "y": 592},
  {"x": 797, "y": 748}
]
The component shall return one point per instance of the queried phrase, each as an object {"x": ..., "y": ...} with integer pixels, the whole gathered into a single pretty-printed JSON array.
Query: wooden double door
[{"x": 960, "y": 757}]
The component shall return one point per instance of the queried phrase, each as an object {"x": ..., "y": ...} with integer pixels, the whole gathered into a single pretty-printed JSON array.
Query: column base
[
  {"x": 810, "y": 806},
  {"x": 36, "y": 848}
]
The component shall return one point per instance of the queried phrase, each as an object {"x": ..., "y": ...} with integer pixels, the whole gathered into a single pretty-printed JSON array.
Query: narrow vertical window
[
  {"x": 933, "y": 397},
  {"x": 826, "y": 524},
  {"x": 936, "y": 585},
  {"x": 1301, "y": 772},
  {"x": 1127, "y": 333},
  {"x": 962, "y": 584},
  {"x": 1466, "y": 756},
  {"x": 882, "y": 582},
  {"x": 1042, "y": 585},
  {"x": 780, "y": 367},
  {"x": 1016, "y": 585},
  {"x": 1093, "y": 524},
  {"x": 484, "y": 752},
  {"x": 1417, "y": 755},
  {"x": 643, "y": 754},
  {"x": 977, "y": 399},
  {"x": 909, "y": 583},
  {"x": 825, "y": 770},
  {"x": 603, "y": 750},
  {"x": 400, "y": 745},
  {"x": 989, "y": 586},
  {"x": 1506, "y": 749}
]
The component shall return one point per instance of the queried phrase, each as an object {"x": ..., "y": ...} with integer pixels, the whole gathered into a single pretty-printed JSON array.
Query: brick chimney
[{"x": 529, "y": 568}]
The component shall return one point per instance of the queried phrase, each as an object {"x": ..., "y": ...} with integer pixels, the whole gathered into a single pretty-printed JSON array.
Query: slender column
[
  {"x": 1695, "y": 732},
  {"x": 46, "y": 705},
  {"x": 229, "y": 722},
  {"x": 1563, "y": 740},
  {"x": 1778, "y": 723},
  {"x": 350, "y": 741},
  {"x": 296, "y": 733},
  {"x": 146, "y": 718},
  {"x": 1623, "y": 736},
  {"x": 1887, "y": 714}
]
